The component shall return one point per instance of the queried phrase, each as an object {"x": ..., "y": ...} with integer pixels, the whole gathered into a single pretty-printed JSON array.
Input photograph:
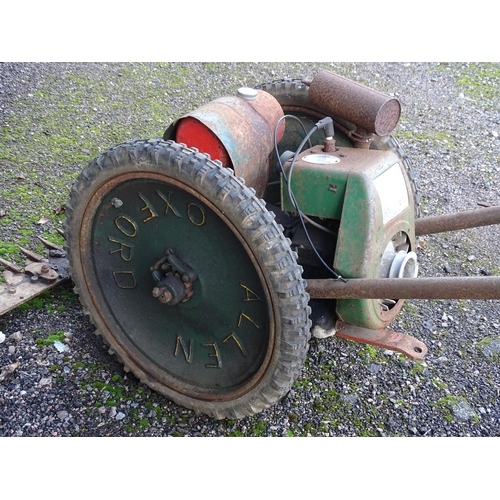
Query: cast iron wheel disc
[{"x": 232, "y": 338}]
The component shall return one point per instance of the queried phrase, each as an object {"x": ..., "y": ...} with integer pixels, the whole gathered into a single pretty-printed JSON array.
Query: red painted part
[{"x": 193, "y": 133}]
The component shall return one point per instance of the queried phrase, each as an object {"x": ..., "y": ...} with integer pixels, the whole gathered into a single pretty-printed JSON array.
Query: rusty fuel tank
[{"x": 237, "y": 130}]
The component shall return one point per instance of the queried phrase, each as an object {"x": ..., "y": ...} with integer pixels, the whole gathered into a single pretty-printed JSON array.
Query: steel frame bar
[
  {"x": 460, "y": 220},
  {"x": 475, "y": 288}
]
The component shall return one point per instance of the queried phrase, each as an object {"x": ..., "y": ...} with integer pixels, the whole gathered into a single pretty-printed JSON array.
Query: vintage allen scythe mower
[{"x": 206, "y": 258}]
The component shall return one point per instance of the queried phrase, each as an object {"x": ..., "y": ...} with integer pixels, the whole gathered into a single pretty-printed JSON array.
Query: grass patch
[{"x": 56, "y": 336}]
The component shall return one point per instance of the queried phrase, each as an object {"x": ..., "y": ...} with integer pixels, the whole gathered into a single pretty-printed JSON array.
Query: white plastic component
[
  {"x": 392, "y": 191},
  {"x": 321, "y": 159},
  {"x": 319, "y": 332},
  {"x": 247, "y": 93},
  {"x": 404, "y": 265}
]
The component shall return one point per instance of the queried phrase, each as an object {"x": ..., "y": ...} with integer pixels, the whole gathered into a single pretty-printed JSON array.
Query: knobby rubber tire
[
  {"x": 293, "y": 95},
  {"x": 256, "y": 226}
]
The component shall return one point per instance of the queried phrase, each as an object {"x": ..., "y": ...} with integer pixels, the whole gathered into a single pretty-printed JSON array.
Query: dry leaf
[
  {"x": 5, "y": 371},
  {"x": 60, "y": 210},
  {"x": 43, "y": 220}
]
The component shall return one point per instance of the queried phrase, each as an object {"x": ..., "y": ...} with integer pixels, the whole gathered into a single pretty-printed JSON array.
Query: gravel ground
[{"x": 450, "y": 129}]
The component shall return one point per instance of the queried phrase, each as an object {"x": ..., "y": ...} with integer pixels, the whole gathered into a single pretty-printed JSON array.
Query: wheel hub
[{"x": 174, "y": 279}]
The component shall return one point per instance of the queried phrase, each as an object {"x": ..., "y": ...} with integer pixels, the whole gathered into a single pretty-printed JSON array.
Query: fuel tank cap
[{"x": 247, "y": 93}]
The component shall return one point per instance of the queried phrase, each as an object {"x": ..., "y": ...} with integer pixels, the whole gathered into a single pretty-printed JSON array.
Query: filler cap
[{"x": 247, "y": 93}]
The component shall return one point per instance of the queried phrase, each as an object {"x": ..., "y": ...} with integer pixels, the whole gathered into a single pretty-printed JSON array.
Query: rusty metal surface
[
  {"x": 245, "y": 128},
  {"x": 480, "y": 288},
  {"x": 41, "y": 270},
  {"x": 10, "y": 266},
  {"x": 388, "y": 339},
  {"x": 21, "y": 287},
  {"x": 461, "y": 220},
  {"x": 368, "y": 109},
  {"x": 41, "y": 273}
]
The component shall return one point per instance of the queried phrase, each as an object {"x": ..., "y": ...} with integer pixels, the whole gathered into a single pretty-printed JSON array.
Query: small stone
[
  {"x": 60, "y": 346},
  {"x": 447, "y": 268},
  {"x": 17, "y": 336},
  {"x": 45, "y": 381},
  {"x": 374, "y": 368},
  {"x": 63, "y": 414},
  {"x": 12, "y": 349},
  {"x": 5, "y": 371},
  {"x": 120, "y": 416},
  {"x": 112, "y": 412},
  {"x": 351, "y": 399},
  {"x": 470, "y": 258},
  {"x": 463, "y": 411},
  {"x": 428, "y": 325},
  {"x": 2, "y": 337},
  {"x": 491, "y": 348}
]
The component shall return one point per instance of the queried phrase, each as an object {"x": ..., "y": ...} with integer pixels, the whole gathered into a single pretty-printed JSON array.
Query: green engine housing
[{"x": 369, "y": 193}]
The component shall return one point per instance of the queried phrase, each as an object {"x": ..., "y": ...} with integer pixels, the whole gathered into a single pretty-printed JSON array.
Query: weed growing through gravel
[
  {"x": 57, "y": 336},
  {"x": 446, "y": 404}
]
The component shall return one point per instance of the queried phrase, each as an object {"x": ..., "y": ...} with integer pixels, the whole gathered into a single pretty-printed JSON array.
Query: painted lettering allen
[
  {"x": 188, "y": 352},
  {"x": 148, "y": 207},
  {"x": 236, "y": 341},
  {"x": 214, "y": 355},
  {"x": 244, "y": 316},
  {"x": 250, "y": 296}
]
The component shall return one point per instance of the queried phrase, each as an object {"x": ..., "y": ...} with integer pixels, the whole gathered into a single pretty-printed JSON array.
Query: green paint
[
  {"x": 228, "y": 285},
  {"x": 363, "y": 238},
  {"x": 319, "y": 191}
]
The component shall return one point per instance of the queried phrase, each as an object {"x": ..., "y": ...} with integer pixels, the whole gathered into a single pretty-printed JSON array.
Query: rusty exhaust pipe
[
  {"x": 475, "y": 288},
  {"x": 368, "y": 109}
]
